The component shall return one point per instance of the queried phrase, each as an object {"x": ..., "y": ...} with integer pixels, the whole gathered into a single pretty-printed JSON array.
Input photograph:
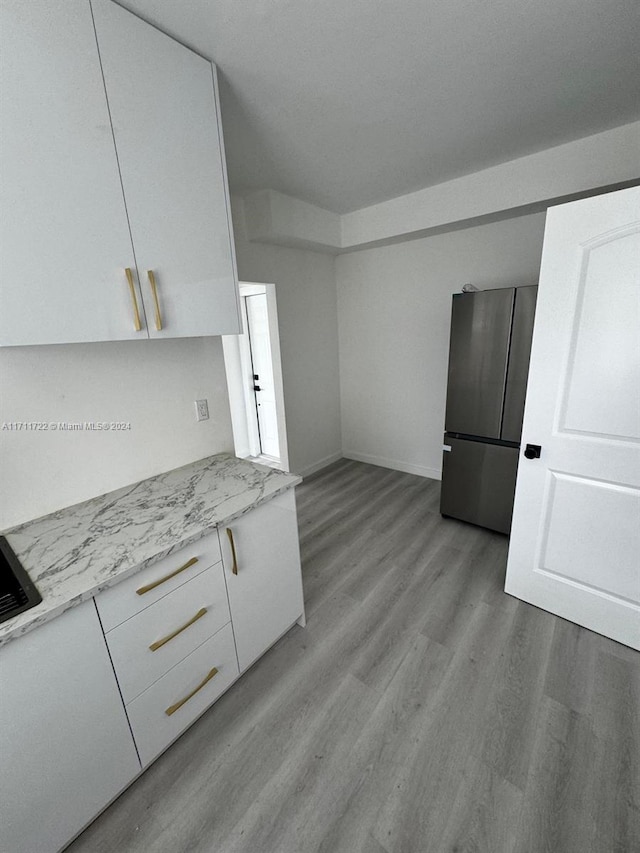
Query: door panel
[
  {"x": 604, "y": 373},
  {"x": 478, "y": 482},
  {"x": 479, "y": 347},
  {"x": 64, "y": 235},
  {"x": 576, "y": 526},
  {"x": 518, "y": 369},
  {"x": 164, "y": 111},
  {"x": 580, "y": 504}
]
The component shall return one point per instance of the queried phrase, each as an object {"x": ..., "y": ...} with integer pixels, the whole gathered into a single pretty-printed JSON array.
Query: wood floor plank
[
  {"x": 571, "y": 669},
  {"x": 484, "y": 814},
  {"x": 561, "y": 780},
  {"x": 416, "y": 812},
  {"x": 510, "y": 721},
  {"x": 616, "y": 720},
  {"x": 291, "y": 812},
  {"x": 456, "y": 592},
  {"x": 386, "y": 744},
  {"x": 421, "y": 710},
  {"x": 400, "y": 623}
]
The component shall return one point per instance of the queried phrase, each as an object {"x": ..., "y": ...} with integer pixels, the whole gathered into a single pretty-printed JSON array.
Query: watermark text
[{"x": 66, "y": 426}]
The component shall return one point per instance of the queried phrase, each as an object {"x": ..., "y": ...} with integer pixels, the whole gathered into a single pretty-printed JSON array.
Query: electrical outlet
[{"x": 202, "y": 410}]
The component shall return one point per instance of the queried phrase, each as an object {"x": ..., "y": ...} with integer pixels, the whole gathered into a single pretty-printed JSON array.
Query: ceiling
[{"x": 345, "y": 103}]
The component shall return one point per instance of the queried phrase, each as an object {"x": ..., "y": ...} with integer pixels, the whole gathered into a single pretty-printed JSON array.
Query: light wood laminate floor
[{"x": 421, "y": 710}]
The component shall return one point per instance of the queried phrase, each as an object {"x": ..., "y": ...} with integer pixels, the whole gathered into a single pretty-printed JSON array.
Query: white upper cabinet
[
  {"x": 64, "y": 240},
  {"x": 95, "y": 181},
  {"x": 163, "y": 103}
]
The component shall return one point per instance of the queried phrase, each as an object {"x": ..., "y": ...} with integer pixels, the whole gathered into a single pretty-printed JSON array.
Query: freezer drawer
[{"x": 478, "y": 483}]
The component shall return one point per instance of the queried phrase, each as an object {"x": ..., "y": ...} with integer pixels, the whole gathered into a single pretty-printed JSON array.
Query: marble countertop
[{"x": 80, "y": 550}]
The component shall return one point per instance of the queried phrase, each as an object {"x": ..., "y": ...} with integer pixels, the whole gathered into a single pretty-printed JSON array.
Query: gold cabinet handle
[
  {"x": 173, "y": 708},
  {"x": 154, "y": 291},
  {"x": 234, "y": 568},
  {"x": 153, "y": 585},
  {"x": 136, "y": 314},
  {"x": 159, "y": 643}
]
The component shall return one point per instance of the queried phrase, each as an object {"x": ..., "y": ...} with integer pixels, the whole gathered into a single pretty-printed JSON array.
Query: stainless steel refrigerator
[{"x": 489, "y": 350}]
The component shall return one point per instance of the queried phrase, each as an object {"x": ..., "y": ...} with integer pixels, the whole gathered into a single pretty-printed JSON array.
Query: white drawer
[
  {"x": 122, "y": 601},
  {"x": 137, "y": 665},
  {"x": 152, "y": 728}
]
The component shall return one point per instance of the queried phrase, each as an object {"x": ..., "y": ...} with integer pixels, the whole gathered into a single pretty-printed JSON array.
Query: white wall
[
  {"x": 307, "y": 317},
  {"x": 273, "y": 217},
  {"x": 394, "y": 308},
  {"x": 584, "y": 165},
  {"x": 592, "y": 164},
  {"x": 151, "y": 384}
]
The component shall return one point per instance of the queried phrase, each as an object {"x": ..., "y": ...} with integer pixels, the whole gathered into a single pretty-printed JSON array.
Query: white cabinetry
[
  {"x": 64, "y": 239},
  {"x": 144, "y": 588},
  {"x": 160, "y": 714},
  {"x": 171, "y": 643},
  {"x": 66, "y": 228},
  {"x": 145, "y": 647},
  {"x": 167, "y": 132},
  {"x": 264, "y": 581},
  {"x": 174, "y": 633},
  {"x": 65, "y": 743}
]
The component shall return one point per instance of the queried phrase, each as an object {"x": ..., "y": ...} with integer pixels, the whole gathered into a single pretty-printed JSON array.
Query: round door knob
[{"x": 532, "y": 451}]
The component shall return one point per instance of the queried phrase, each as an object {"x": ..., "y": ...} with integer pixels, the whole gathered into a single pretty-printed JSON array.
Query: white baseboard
[
  {"x": 395, "y": 464},
  {"x": 316, "y": 466},
  {"x": 383, "y": 462}
]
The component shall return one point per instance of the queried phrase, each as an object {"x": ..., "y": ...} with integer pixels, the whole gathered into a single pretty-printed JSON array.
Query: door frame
[{"x": 237, "y": 359}]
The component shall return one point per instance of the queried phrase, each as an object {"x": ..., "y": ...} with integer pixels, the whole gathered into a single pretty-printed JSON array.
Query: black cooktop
[{"x": 17, "y": 591}]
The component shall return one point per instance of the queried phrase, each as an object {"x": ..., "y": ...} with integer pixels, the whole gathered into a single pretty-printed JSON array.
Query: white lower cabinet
[
  {"x": 174, "y": 657},
  {"x": 170, "y": 705},
  {"x": 177, "y": 635},
  {"x": 146, "y": 646},
  {"x": 65, "y": 745},
  {"x": 262, "y": 569},
  {"x": 132, "y": 595}
]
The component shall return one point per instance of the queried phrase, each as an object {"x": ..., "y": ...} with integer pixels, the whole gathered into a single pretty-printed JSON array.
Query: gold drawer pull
[
  {"x": 154, "y": 291},
  {"x": 234, "y": 568},
  {"x": 153, "y": 585},
  {"x": 173, "y": 708},
  {"x": 159, "y": 643},
  {"x": 136, "y": 314}
]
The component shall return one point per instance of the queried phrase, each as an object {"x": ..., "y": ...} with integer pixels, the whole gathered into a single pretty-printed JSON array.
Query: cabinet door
[
  {"x": 65, "y": 742},
  {"x": 64, "y": 238},
  {"x": 163, "y": 105},
  {"x": 265, "y": 595}
]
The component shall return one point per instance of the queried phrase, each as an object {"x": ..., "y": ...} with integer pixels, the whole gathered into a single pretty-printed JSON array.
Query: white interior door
[
  {"x": 575, "y": 540},
  {"x": 264, "y": 387}
]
